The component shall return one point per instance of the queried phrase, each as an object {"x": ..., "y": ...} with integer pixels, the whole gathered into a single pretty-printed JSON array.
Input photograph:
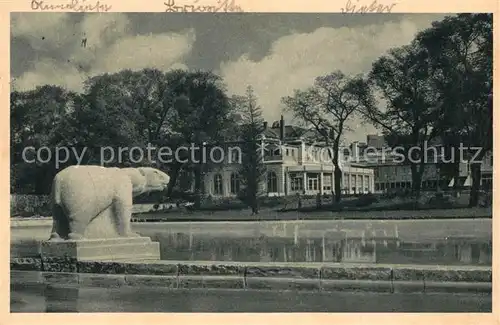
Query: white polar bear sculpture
[{"x": 96, "y": 202}]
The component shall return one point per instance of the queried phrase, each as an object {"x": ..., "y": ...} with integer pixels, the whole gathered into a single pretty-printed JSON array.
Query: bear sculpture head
[{"x": 147, "y": 179}]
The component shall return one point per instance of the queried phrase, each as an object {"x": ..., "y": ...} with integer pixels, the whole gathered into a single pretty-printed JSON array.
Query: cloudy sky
[{"x": 275, "y": 53}]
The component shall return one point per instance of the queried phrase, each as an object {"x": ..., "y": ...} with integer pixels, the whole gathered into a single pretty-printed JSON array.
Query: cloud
[
  {"x": 42, "y": 30},
  {"x": 161, "y": 51},
  {"x": 109, "y": 48},
  {"x": 53, "y": 73},
  {"x": 99, "y": 31},
  {"x": 295, "y": 60},
  {"x": 29, "y": 24}
]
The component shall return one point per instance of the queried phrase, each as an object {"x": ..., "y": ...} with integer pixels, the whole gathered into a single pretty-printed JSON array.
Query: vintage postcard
[{"x": 303, "y": 162}]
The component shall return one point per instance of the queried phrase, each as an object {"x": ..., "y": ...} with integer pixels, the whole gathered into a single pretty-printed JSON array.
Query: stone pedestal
[{"x": 64, "y": 255}]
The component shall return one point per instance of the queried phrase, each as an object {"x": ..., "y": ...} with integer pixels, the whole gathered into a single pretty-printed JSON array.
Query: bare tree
[{"x": 327, "y": 107}]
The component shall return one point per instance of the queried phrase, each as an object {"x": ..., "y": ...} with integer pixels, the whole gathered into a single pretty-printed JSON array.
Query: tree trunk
[
  {"x": 197, "y": 186},
  {"x": 475, "y": 170},
  {"x": 456, "y": 175},
  {"x": 255, "y": 204},
  {"x": 337, "y": 172},
  {"x": 173, "y": 179},
  {"x": 338, "y": 180},
  {"x": 416, "y": 178}
]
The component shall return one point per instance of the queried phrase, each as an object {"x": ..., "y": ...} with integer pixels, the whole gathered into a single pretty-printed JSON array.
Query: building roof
[{"x": 292, "y": 132}]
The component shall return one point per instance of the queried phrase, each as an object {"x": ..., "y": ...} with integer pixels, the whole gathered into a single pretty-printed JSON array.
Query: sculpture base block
[{"x": 64, "y": 255}]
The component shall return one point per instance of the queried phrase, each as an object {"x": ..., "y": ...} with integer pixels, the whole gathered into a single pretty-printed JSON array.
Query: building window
[
  {"x": 377, "y": 187},
  {"x": 287, "y": 152},
  {"x": 218, "y": 184},
  {"x": 297, "y": 181},
  {"x": 235, "y": 183},
  {"x": 235, "y": 157},
  {"x": 312, "y": 182},
  {"x": 272, "y": 182}
]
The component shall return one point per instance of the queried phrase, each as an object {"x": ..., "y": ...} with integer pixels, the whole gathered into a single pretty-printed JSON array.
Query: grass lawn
[{"x": 270, "y": 214}]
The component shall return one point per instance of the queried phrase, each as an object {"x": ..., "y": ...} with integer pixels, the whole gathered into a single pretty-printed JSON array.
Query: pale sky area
[{"x": 275, "y": 53}]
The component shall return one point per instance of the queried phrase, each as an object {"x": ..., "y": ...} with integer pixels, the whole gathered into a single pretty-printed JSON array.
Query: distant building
[
  {"x": 390, "y": 174},
  {"x": 294, "y": 164},
  {"x": 375, "y": 141}
]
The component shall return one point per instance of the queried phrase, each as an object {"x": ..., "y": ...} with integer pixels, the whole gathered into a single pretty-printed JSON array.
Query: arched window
[
  {"x": 235, "y": 183},
  {"x": 272, "y": 182},
  {"x": 218, "y": 184}
]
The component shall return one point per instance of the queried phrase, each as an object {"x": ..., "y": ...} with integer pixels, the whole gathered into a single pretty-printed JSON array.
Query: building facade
[
  {"x": 294, "y": 166},
  {"x": 391, "y": 175}
]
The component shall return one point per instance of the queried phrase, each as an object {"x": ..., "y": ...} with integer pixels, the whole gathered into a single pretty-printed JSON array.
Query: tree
[
  {"x": 172, "y": 109},
  {"x": 125, "y": 109},
  {"x": 402, "y": 77},
  {"x": 328, "y": 106},
  {"x": 202, "y": 115},
  {"x": 252, "y": 170},
  {"x": 39, "y": 118},
  {"x": 460, "y": 50}
]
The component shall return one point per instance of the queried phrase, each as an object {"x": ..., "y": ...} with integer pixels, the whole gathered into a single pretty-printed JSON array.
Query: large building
[
  {"x": 294, "y": 164},
  {"x": 390, "y": 174}
]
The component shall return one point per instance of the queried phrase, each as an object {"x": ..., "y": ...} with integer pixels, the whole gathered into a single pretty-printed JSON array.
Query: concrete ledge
[
  {"x": 100, "y": 280},
  {"x": 258, "y": 275},
  {"x": 26, "y": 264},
  {"x": 280, "y": 284},
  {"x": 241, "y": 282},
  {"x": 25, "y": 277},
  {"x": 458, "y": 287},
  {"x": 112, "y": 267},
  {"x": 152, "y": 281},
  {"x": 213, "y": 269},
  {"x": 408, "y": 286},
  {"x": 25, "y": 248},
  {"x": 212, "y": 282},
  {"x": 60, "y": 278},
  {"x": 408, "y": 274},
  {"x": 59, "y": 264},
  {"x": 450, "y": 275},
  {"x": 282, "y": 272},
  {"x": 373, "y": 273},
  {"x": 355, "y": 285}
]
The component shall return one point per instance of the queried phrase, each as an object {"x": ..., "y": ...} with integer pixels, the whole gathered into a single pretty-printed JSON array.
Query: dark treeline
[{"x": 439, "y": 86}]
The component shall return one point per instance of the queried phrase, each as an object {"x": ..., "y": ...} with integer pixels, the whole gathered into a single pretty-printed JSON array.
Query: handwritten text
[
  {"x": 362, "y": 9},
  {"x": 74, "y": 5},
  {"x": 221, "y": 6}
]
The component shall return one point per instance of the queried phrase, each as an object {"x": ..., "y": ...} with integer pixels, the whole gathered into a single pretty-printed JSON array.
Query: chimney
[
  {"x": 265, "y": 125},
  {"x": 282, "y": 128}
]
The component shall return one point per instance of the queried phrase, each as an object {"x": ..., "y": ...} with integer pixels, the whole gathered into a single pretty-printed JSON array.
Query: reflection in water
[
  {"x": 145, "y": 299},
  {"x": 364, "y": 249}
]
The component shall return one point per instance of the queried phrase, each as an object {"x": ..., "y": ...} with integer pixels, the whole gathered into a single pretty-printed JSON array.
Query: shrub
[{"x": 30, "y": 205}]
